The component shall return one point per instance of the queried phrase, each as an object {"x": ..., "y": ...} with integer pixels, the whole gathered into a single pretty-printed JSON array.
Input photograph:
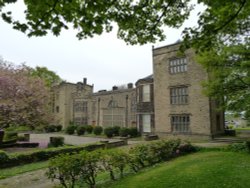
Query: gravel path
[
  {"x": 34, "y": 179},
  {"x": 68, "y": 139}
]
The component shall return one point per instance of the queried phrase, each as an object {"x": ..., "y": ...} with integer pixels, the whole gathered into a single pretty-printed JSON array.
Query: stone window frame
[
  {"x": 146, "y": 93},
  {"x": 80, "y": 106},
  {"x": 180, "y": 123},
  {"x": 179, "y": 95},
  {"x": 178, "y": 65},
  {"x": 113, "y": 116}
]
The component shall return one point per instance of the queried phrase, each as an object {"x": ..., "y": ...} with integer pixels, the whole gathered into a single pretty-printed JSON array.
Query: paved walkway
[{"x": 34, "y": 179}]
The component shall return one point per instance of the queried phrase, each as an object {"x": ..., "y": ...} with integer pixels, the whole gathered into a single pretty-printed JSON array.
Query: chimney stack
[
  {"x": 130, "y": 85},
  {"x": 115, "y": 88},
  {"x": 84, "y": 81}
]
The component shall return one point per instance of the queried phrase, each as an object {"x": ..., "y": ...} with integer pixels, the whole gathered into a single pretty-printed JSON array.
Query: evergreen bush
[
  {"x": 97, "y": 130},
  {"x": 80, "y": 130},
  {"x": 56, "y": 141},
  {"x": 109, "y": 132},
  {"x": 89, "y": 129},
  {"x": 124, "y": 131},
  {"x": 70, "y": 129}
]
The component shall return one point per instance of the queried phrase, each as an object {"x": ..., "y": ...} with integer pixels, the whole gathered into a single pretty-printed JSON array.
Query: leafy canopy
[
  {"x": 24, "y": 99},
  {"x": 139, "y": 21}
]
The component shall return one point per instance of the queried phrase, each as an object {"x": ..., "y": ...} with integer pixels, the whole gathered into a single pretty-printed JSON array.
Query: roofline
[{"x": 168, "y": 45}]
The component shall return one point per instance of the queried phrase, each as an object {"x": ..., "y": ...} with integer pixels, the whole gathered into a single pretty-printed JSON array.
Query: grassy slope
[
  {"x": 200, "y": 170},
  {"x": 9, "y": 172}
]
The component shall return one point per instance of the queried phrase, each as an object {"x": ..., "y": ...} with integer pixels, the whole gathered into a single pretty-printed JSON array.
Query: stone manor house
[{"x": 169, "y": 102}]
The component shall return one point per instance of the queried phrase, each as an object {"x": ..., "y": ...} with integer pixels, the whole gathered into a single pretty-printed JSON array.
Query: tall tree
[
  {"x": 229, "y": 75},
  {"x": 24, "y": 100},
  {"x": 223, "y": 44},
  {"x": 48, "y": 76}
]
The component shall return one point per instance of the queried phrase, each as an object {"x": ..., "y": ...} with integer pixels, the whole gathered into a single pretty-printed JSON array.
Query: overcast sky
[{"x": 104, "y": 60}]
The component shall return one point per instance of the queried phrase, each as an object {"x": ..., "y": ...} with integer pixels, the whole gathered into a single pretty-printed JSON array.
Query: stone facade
[
  {"x": 145, "y": 104},
  {"x": 168, "y": 103},
  {"x": 180, "y": 106},
  {"x": 79, "y": 104},
  {"x": 65, "y": 96},
  {"x": 115, "y": 108}
]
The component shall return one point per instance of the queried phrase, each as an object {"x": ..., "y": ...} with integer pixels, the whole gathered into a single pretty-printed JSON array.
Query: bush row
[
  {"x": 52, "y": 128},
  {"x": 123, "y": 131},
  {"x": 80, "y": 130},
  {"x": 41, "y": 155},
  {"x": 98, "y": 130},
  {"x": 84, "y": 167},
  {"x": 239, "y": 147}
]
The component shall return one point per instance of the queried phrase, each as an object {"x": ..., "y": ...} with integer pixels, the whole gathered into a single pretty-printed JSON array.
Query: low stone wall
[{"x": 117, "y": 143}]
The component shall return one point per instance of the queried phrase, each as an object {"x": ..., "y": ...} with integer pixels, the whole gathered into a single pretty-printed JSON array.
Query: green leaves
[
  {"x": 229, "y": 69},
  {"x": 138, "y": 21}
]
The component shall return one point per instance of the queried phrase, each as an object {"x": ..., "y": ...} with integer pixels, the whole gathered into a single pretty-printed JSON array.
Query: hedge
[
  {"x": 42, "y": 155},
  {"x": 84, "y": 167}
]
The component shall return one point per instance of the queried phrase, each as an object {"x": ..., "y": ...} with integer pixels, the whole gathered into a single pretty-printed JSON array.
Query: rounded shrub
[
  {"x": 50, "y": 128},
  {"x": 124, "y": 131},
  {"x": 116, "y": 130},
  {"x": 56, "y": 141},
  {"x": 97, "y": 130},
  {"x": 80, "y": 130},
  {"x": 109, "y": 132},
  {"x": 70, "y": 129},
  {"x": 3, "y": 157},
  {"x": 58, "y": 128},
  {"x": 133, "y": 132},
  {"x": 89, "y": 129}
]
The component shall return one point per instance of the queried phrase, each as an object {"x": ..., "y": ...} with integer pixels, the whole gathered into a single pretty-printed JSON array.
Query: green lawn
[
  {"x": 9, "y": 172},
  {"x": 214, "y": 169}
]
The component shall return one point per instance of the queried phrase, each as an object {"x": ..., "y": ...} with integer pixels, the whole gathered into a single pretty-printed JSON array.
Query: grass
[
  {"x": 9, "y": 172},
  {"x": 242, "y": 128},
  {"x": 200, "y": 170}
]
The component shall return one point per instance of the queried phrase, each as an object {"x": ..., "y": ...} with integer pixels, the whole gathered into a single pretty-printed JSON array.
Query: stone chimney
[
  {"x": 84, "y": 81},
  {"x": 115, "y": 88},
  {"x": 130, "y": 85}
]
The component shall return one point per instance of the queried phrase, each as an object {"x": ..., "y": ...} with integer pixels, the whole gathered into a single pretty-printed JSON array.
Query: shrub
[
  {"x": 116, "y": 130},
  {"x": 71, "y": 129},
  {"x": 230, "y": 132},
  {"x": 56, "y": 141},
  {"x": 97, "y": 130},
  {"x": 248, "y": 145},
  {"x": 186, "y": 148},
  {"x": 3, "y": 157},
  {"x": 147, "y": 155},
  {"x": 65, "y": 168},
  {"x": 10, "y": 135},
  {"x": 109, "y": 132},
  {"x": 124, "y": 131},
  {"x": 89, "y": 129},
  {"x": 239, "y": 147},
  {"x": 58, "y": 128},
  {"x": 80, "y": 168},
  {"x": 1, "y": 136},
  {"x": 50, "y": 128},
  {"x": 133, "y": 132},
  {"x": 80, "y": 130},
  {"x": 120, "y": 159}
]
